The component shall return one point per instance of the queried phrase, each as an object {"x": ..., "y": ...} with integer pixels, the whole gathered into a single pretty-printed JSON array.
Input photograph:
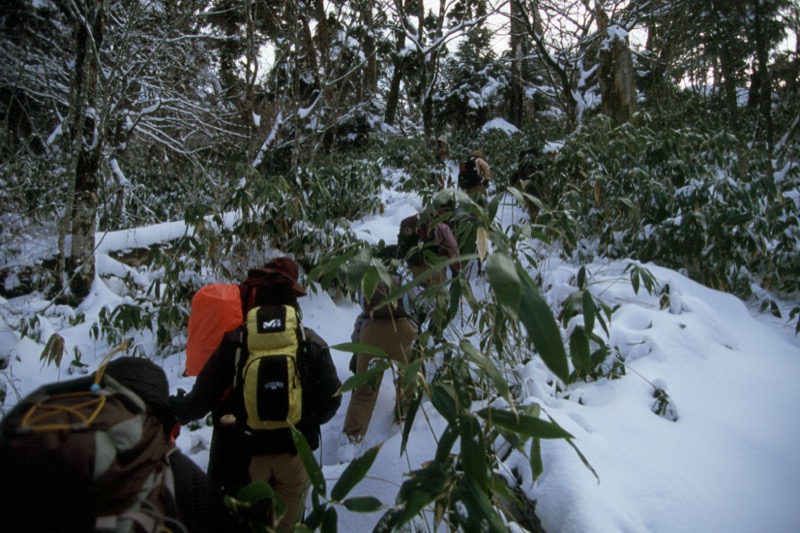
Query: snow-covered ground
[{"x": 729, "y": 463}]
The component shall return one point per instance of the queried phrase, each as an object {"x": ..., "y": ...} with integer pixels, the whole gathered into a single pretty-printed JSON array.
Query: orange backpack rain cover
[{"x": 216, "y": 309}]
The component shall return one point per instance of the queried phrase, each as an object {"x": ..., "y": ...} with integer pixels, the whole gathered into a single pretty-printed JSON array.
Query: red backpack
[{"x": 216, "y": 309}]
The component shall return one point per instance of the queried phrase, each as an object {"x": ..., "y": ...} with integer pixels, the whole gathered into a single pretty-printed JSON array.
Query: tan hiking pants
[
  {"x": 287, "y": 476},
  {"x": 395, "y": 337}
]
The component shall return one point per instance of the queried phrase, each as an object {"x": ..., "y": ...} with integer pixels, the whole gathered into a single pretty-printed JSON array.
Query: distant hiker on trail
[
  {"x": 423, "y": 246},
  {"x": 441, "y": 173},
  {"x": 97, "y": 453},
  {"x": 441, "y": 149},
  {"x": 473, "y": 175},
  {"x": 265, "y": 376},
  {"x": 529, "y": 177},
  {"x": 388, "y": 327},
  {"x": 446, "y": 181}
]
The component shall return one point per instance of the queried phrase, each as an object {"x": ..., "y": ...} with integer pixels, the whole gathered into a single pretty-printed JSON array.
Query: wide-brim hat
[{"x": 284, "y": 267}]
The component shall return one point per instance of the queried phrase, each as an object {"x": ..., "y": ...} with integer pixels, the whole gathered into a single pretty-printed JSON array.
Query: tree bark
[
  {"x": 393, "y": 99},
  {"x": 369, "y": 84},
  {"x": 88, "y": 145},
  {"x": 615, "y": 71},
  {"x": 764, "y": 81},
  {"x": 516, "y": 112}
]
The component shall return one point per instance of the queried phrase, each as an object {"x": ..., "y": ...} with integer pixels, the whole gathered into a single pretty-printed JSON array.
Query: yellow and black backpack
[{"x": 271, "y": 384}]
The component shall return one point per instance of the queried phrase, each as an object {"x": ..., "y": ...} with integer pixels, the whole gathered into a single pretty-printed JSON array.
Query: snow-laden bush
[{"x": 705, "y": 203}]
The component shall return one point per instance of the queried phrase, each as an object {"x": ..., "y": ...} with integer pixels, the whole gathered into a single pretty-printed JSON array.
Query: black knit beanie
[{"x": 149, "y": 381}]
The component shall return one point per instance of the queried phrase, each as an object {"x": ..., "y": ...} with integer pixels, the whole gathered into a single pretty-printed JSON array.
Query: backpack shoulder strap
[{"x": 238, "y": 358}]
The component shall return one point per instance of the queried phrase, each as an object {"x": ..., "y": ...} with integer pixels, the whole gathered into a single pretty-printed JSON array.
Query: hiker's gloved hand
[{"x": 176, "y": 402}]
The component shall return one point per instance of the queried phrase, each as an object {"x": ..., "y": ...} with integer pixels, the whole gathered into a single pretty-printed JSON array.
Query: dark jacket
[{"x": 213, "y": 392}]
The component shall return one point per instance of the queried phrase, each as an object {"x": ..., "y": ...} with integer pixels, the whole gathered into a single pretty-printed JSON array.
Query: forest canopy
[{"x": 107, "y": 106}]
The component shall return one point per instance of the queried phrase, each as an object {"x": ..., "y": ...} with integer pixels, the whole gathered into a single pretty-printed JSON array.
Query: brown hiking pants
[
  {"x": 288, "y": 478},
  {"x": 395, "y": 337}
]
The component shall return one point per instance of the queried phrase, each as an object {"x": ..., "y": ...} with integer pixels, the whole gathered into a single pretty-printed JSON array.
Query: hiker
[
  {"x": 98, "y": 453},
  {"x": 422, "y": 247},
  {"x": 473, "y": 176},
  {"x": 224, "y": 387},
  {"x": 441, "y": 149},
  {"x": 391, "y": 328},
  {"x": 529, "y": 177},
  {"x": 199, "y": 503},
  {"x": 445, "y": 180}
]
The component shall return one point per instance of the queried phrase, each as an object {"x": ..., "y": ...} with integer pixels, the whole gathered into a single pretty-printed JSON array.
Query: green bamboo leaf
[
  {"x": 608, "y": 312},
  {"x": 328, "y": 269},
  {"x": 473, "y": 451},
  {"x": 443, "y": 397},
  {"x": 354, "y": 473},
  {"x": 411, "y": 372},
  {"x": 462, "y": 384},
  {"x": 378, "y": 367},
  {"x": 579, "y": 349},
  {"x": 255, "y": 491},
  {"x": 504, "y": 281},
  {"x": 411, "y": 413},
  {"x": 493, "y": 206},
  {"x": 388, "y": 522},
  {"x": 313, "y": 519},
  {"x": 414, "y": 504},
  {"x": 589, "y": 312},
  {"x": 582, "y": 278},
  {"x": 363, "y": 504},
  {"x": 356, "y": 266},
  {"x": 455, "y": 301},
  {"x": 537, "y": 465},
  {"x": 524, "y": 424},
  {"x": 635, "y": 280},
  {"x": 330, "y": 520},
  {"x": 313, "y": 469},
  {"x": 470, "y": 499},
  {"x": 446, "y": 442},
  {"x": 485, "y": 364},
  {"x": 542, "y": 327},
  {"x": 355, "y": 347},
  {"x": 370, "y": 281}
]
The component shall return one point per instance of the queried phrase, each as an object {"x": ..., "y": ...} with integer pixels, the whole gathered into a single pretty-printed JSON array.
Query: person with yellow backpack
[{"x": 266, "y": 376}]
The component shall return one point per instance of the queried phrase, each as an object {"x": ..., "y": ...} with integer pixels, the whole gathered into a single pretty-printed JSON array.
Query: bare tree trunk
[
  {"x": 516, "y": 112},
  {"x": 393, "y": 99},
  {"x": 765, "y": 84},
  {"x": 88, "y": 149},
  {"x": 84, "y": 217},
  {"x": 615, "y": 70},
  {"x": 370, "y": 79},
  {"x": 430, "y": 61},
  {"x": 728, "y": 79}
]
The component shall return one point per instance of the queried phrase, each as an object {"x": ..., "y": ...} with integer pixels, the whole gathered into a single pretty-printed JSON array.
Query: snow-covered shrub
[{"x": 701, "y": 202}]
